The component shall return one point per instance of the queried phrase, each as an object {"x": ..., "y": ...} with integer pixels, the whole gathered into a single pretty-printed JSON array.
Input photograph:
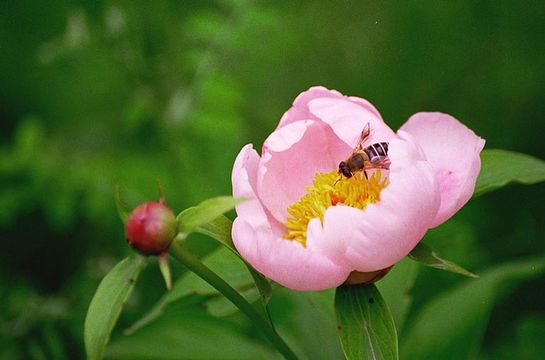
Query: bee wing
[
  {"x": 363, "y": 137},
  {"x": 381, "y": 163}
]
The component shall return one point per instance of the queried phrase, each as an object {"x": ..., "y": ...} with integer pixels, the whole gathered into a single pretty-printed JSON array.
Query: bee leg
[{"x": 365, "y": 173}]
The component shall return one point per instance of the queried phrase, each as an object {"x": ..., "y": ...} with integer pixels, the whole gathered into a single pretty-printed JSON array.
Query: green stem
[{"x": 195, "y": 265}]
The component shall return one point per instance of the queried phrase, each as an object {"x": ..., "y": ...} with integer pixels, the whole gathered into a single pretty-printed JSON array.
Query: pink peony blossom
[{"x": 308, "y": 228}]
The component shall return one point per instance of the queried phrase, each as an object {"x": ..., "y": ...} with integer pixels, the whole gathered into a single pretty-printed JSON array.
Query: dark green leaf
[
  {"x": 205, "y": 212},
  {"x": 458, "y": 318},
  {"x": 501, "y": 167},
  {"x": 366, "y": 327},
  {"x": 426, "y": 255},
  {"x": 108, "y": 302}
]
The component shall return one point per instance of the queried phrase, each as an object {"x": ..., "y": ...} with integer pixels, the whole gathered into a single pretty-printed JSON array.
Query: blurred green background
[{"x": 94, "y": 94}]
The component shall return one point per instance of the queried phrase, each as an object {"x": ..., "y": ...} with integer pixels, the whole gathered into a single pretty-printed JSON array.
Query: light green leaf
[
  {"x": 190, "y": 334},
  {"x": 207, "y": 218},
  {"x": 501, "y": 167},
  {"x": 426, "y": 255},
  {"x": 457, "y": 319},
  {"x": 366, "y": 327},
  {"x": 219, "y": 229},
  {"x": 225, "y": 264},
  {"x": 108, "y": 302},
  {"x": 205, "y": 212}
]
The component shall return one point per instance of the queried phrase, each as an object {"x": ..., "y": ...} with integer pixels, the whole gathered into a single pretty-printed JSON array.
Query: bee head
[{"x": 345, "y": 169}]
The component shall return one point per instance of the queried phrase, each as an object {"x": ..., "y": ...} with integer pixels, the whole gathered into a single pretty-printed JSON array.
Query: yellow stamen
[{"x": 328, "y": 189}]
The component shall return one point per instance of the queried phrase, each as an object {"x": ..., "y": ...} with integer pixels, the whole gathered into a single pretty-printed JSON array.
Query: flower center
[{"x": 329, "y": 190}]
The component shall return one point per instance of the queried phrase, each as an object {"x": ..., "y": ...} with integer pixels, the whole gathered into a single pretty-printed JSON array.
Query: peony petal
[
  {"x": 257, "y": 236},
  {"x": 348, "y": 119},
  {"x": 289, "y": 163},
  {"x": 333, "y": 237},
  {"x": 453, "y": 150},
  {"x": 388, "y": 230},
  {"x": 284, "y": 261},
  {"x": 244, "y": 180},
  {"x": 299, "y": 109},
  {"x": 366, "y": 104}
]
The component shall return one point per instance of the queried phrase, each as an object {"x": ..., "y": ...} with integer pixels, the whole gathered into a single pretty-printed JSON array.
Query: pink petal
[
  {"x": 292, "y": 155},
  {"x": 387, "y": 231},
  {"x": 366, "y": 104},
  {"x": 284, "y": 261},
  {"x": 244, "y": 180},
  {"x": 348, "y": 119},
  {"x": 257, "y": 236},
  {"x": 299, "y": 109},
  {"x": 453, "y": 151},
  {"x": 333, "y": 237}
]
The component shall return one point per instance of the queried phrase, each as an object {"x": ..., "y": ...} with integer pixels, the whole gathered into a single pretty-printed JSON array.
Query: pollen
[{"x": 328, "y": 189}]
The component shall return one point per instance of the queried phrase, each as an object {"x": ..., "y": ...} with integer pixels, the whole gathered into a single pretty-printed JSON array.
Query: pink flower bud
[{"x": 151, "y": 227}]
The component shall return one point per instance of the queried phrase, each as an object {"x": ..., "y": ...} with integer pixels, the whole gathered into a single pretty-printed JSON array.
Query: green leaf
[
  {"x": 501, "y": 167},
  {"x": 366, "y": 327},
  {"x": 457, "y": 319},
  {"x": 108, "y": 302},
  {"x": 426, "y": 255},
  {"x": 219, "y": 229},
  {"x": 190, "y": 334},
  {"x": 205, "y": 212},
  {"x": 263, "y": 325},
  {"x": 225, "y": 264}
]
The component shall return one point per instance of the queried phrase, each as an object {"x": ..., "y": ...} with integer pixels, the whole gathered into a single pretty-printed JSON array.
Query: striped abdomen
[{"x": 377, "y": 152}]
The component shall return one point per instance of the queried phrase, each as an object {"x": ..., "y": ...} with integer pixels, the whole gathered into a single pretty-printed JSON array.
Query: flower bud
[{"x": 151, "y": 227}]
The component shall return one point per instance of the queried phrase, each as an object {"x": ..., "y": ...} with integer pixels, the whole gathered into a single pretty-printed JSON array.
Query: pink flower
[{"x": 308, "y": 228}]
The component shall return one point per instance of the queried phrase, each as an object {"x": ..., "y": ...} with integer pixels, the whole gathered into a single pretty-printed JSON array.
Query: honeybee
[{"x": 374, "y": 156}]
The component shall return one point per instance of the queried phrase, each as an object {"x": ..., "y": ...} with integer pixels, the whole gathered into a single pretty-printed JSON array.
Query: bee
[{"x": 374, "y": 156}]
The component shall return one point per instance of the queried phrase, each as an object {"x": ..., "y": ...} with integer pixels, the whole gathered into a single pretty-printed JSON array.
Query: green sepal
[
  {"x": 426, "y": 255},
  {"x": 122, "y": 208}
]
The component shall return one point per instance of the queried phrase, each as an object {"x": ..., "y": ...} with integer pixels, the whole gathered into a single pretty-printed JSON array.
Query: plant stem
[{"x": 195, "y": 265}]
